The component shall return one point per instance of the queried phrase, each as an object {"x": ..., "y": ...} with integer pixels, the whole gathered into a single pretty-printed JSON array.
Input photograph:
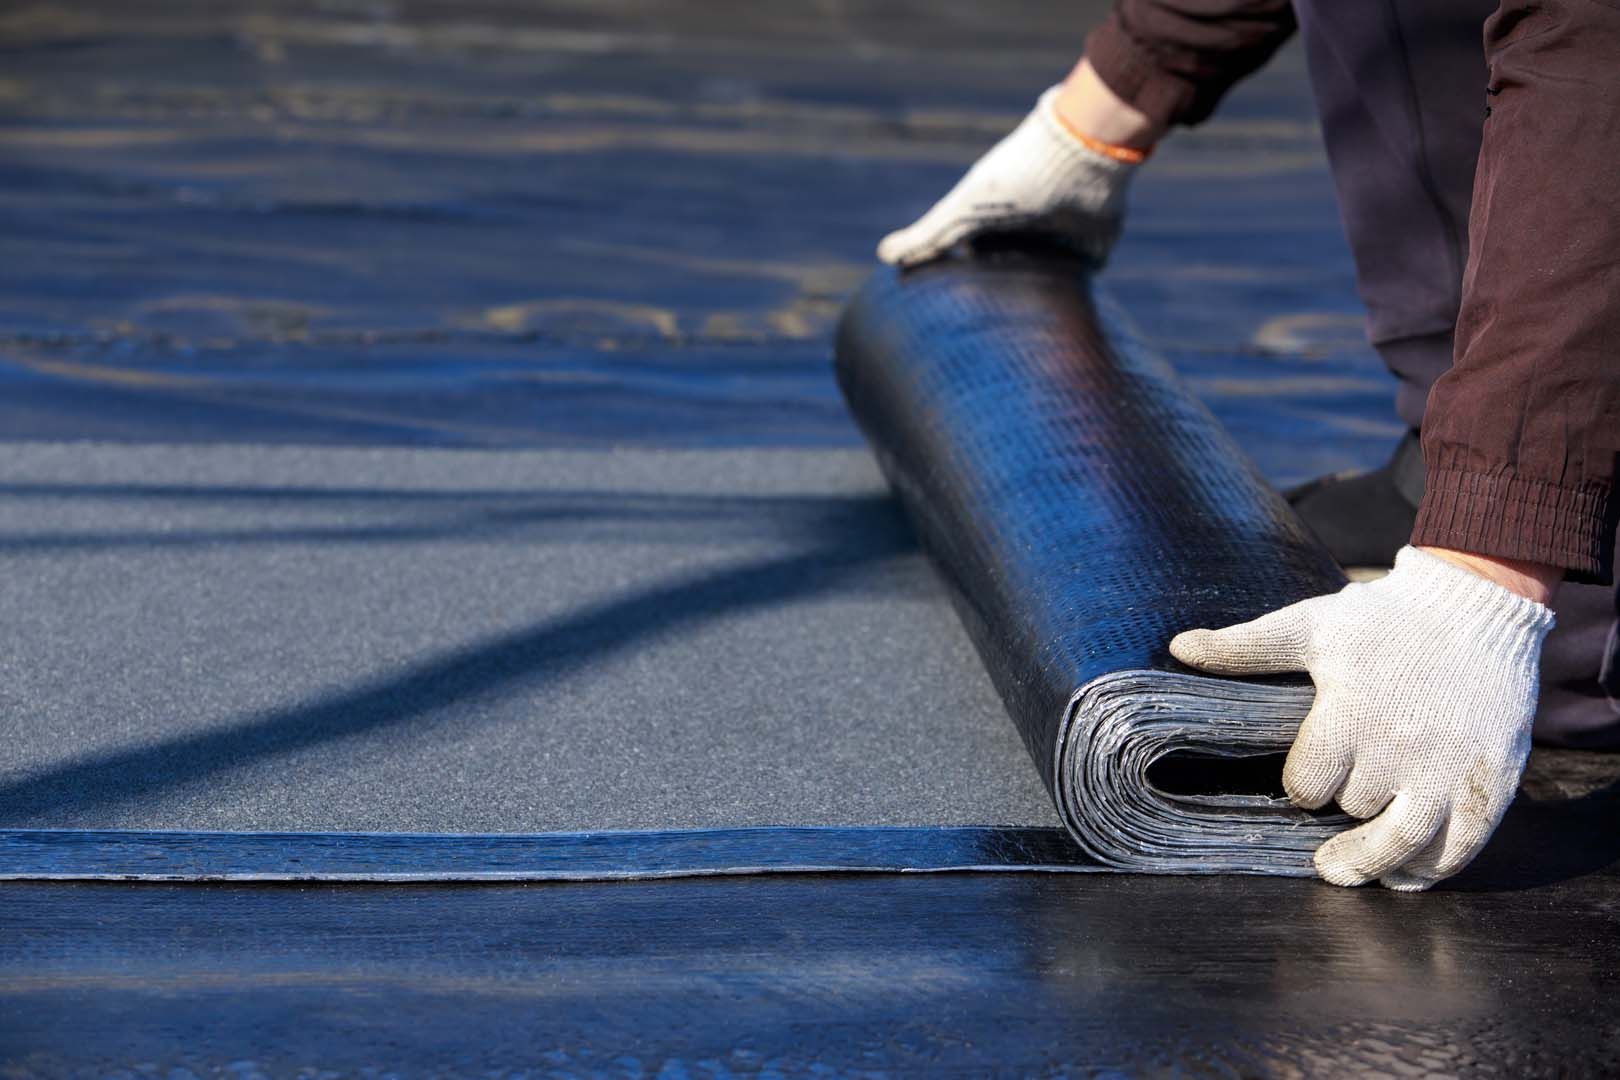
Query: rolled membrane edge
[{"x": 1122, "y": 728}]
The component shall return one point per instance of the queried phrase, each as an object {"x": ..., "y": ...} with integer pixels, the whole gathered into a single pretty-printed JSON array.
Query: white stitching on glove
[
  {"x": 1426, "y": 685},
  {"x": 1039, "y": 178}
]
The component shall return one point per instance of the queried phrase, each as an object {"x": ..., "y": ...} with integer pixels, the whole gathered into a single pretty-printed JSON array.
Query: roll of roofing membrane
[{"x": 1083, "y": 507}]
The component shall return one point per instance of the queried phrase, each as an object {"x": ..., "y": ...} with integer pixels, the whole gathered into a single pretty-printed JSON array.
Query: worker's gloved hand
[
  {"x": 1040, "y": 178},
  {"x": 1426, "y": 686}
]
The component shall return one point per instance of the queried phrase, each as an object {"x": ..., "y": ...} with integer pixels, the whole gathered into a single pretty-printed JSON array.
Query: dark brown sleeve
[
  {"x": 1522, "y": 435},
  {"x": 1174, "y": 59}
]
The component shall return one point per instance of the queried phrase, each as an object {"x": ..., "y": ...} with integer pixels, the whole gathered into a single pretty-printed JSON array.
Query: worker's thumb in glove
[
  {"x": 1278, "y": 641},
  {"x": 1426, "y": 685},
  {"x": 1040, "y": 178}
]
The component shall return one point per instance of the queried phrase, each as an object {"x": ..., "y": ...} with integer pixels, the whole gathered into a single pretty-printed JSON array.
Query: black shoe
[{"x": 1365, "y": 518}]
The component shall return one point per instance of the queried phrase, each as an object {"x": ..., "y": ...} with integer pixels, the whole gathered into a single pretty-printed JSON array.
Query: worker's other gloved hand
[
  {"x": 1426, "y": 686},
  {"x": 1041, "y": 178}
]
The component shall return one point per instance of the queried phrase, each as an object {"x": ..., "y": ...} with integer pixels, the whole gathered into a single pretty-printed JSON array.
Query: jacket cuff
[
  {"x": 1513, "y": 517},
  {"x": 1129, "y": 69}
]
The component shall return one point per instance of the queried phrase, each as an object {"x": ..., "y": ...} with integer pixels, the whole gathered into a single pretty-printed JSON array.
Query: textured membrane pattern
[{"x": 1084, "y": 507}]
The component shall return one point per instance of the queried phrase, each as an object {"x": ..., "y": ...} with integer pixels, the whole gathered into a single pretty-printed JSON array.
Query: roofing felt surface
[{"x": 419, "y": 640}]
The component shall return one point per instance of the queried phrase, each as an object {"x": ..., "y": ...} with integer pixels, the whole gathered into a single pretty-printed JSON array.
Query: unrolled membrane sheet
[{"x": 1083, "y": 507}]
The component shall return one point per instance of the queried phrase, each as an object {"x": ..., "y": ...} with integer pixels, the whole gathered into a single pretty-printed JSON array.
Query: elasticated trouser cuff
[{"x": 1514, "y": 517}]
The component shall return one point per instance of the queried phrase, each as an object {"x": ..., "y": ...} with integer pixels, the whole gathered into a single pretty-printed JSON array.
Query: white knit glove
[
  {"x": 1425, "y": 688},
  {"x": 1040, "y": 178}
]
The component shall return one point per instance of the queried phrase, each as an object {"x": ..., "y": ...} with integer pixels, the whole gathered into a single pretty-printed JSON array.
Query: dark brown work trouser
[{"x": 1400, "y": 88}]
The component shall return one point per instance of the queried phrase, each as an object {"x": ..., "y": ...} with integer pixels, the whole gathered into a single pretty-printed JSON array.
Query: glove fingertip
[
  {"x": 905, "y": 252},
  {"x": 1343, "y": 876},
  {"x": 1315, "y": 768},
  {"x": 1223, "y": 652},
  {"x": 1382, "y": 846},
  {"x": 892, "y": 248},
  {"x": 1303, "y": 796},
  {"x": 1191, "y": 647},
  {"x": 1401, "y": 881},
  {"x": 1334, "y": 869}
]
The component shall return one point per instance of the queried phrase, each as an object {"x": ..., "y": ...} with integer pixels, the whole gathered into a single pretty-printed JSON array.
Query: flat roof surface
[{"x": 420, "y": 415}]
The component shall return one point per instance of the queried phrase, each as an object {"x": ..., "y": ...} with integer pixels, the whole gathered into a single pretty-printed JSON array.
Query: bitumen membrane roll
[{"x": 1083, "y": 507}]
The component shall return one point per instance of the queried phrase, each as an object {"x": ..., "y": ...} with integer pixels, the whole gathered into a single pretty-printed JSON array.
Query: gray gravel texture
[{"x": 242, "y": 637}]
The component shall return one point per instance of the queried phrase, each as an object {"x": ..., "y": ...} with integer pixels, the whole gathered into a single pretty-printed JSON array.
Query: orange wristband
[{"x": 1128, "y": 154}]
